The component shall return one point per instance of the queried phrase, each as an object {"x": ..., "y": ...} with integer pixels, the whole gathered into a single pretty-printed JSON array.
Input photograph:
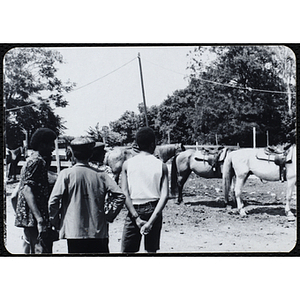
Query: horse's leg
[
  {"x": 180, "y": 188},
  {"x": 289, "y": 191},
  {"x": 181, "y": 181},
  {"x": 229, "y": 203},
  {"x": 238, "y": 191},
  {"x": 232, "y": 189},
  {"x": 179, "y": 198}
]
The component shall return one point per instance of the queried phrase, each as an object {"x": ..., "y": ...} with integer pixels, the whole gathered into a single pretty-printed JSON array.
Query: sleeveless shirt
[{"x": 144, "y": 173}]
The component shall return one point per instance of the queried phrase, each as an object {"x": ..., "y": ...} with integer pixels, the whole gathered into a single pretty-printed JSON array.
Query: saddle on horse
[
  {"x": 209, "y": 154},
  {"x": 280, "y": 155}
]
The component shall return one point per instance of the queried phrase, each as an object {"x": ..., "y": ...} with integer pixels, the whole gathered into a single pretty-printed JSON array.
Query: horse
[
  {"x": 116, "y": 157},
  {"x": 12, "y": 159},
  {"x": 265, "y": 163},
  {"x": 206, "y": 162}
]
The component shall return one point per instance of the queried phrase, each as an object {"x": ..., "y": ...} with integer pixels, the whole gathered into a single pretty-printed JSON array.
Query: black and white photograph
[{"x": 150, "y": 149}]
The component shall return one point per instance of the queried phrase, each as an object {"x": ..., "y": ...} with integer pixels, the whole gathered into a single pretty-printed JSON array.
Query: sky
[{"x": 108, "y": 81}]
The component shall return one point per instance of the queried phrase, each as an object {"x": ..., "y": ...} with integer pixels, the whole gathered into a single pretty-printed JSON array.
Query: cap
[{"x": 82, "y": 141}]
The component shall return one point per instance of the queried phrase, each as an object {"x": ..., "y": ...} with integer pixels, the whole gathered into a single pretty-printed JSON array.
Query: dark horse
[
  {"x": 206, "y": 162},
  {"x": 116, "y": 157},
  {"x": 12, "y": 159}
]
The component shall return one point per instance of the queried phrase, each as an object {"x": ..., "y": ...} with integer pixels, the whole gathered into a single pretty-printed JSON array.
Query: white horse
[{"x": 244, "y": 162}]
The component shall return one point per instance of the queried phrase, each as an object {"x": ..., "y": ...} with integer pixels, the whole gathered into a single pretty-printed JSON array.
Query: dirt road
[{"x": 202, "y": 225}]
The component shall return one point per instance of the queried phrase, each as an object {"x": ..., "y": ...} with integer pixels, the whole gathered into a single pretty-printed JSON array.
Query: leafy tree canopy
[
  {"x": 231, "y": 90},
  {"x": 239, "y": 87},
  {"x": 105, "y": 135},
  {"x": 127, "y": 126},
  {"x": 31, "y": 89}
]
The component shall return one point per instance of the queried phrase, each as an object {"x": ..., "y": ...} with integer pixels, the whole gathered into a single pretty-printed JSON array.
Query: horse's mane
[{"x": 165, "y": 152}]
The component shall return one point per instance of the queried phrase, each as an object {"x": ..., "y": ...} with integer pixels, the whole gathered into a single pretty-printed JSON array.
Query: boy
[{"x": 145, "y": 185}]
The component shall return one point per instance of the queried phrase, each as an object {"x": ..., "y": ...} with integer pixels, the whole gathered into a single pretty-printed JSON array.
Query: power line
[
  {"x": 244, "y": 88},
  {"x": 31, "y": 104},
  {"x": 102, "y": 76},
  {"x": 223, "y": 84},
  {"x": 19, "y": 107},
  {"x": 164, "y": 67},
  {"x": 204, "y": 80}
]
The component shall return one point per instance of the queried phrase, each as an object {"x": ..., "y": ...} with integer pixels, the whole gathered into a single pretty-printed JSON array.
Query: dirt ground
[{"x": 201, "y": 224}]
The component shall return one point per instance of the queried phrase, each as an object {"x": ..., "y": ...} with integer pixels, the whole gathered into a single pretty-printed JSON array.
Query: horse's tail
[
  {"x": 228, "y": 174},
  {"x": 174, "y": 178}
]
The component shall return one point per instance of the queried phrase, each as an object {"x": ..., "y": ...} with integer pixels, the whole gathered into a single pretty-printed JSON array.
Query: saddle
[
  {"x": 209, "y": 154},
  {"x": 280, "y": 155},
  {"x": 277, "y": 149}
]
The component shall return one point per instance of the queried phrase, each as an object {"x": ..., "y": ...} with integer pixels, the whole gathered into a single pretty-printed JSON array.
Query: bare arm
[
  {"x": 30, "y": 199},
  {"x": 55, "y": 199},
  {"x": 128, "y": 201},
  {"x": 14, "y": 197},
  {"x": 161, "y": 202}
]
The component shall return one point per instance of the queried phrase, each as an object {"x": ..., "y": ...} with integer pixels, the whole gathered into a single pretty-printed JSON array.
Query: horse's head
[
  {"x": 182, "y": 147},
  {"x": 179, "y": 147},
  {"x": 225, "y": 150}
]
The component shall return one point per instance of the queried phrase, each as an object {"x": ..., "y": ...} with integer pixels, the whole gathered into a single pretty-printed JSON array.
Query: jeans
[{"x": 131, "y": 238}]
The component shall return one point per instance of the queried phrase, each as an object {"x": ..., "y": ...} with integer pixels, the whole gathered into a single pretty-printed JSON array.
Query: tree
[
  {"x": 176, "y": 116},
  {"x": 152, "y": 113},
  {"x": 95, "y": 133},
  {"x": 31, "y": 89},
  {"x": 286, "y": 70},
  {"x": 105, "y": 135},
  {"x": 236, "y": 93},
  {"x": 127, "y": 126}
]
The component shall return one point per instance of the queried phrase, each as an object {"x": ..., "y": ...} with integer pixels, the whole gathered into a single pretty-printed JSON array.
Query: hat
[{"x": 82, "y": 142}]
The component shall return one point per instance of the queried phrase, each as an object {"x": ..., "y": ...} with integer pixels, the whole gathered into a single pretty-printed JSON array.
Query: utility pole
[
  {"x": 254, "y": 137},
  {"x": 142, "y": 83},
  {"x": 57, "y": 156}
]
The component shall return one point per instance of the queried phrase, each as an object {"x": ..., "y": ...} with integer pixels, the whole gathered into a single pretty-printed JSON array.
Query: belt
[{"x": 147, "y": 204}]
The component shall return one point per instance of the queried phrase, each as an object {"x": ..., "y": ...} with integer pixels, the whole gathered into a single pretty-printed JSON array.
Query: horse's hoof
[
  {"x": 243, "y": 212},
  {"x": 228, "y": 207},
  {"x": 177, "y": 202},
  {"x": 290, "y": 216}
]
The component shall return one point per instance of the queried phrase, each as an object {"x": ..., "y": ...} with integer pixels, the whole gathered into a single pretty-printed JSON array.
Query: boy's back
[{"x": 144, "y": 174}]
